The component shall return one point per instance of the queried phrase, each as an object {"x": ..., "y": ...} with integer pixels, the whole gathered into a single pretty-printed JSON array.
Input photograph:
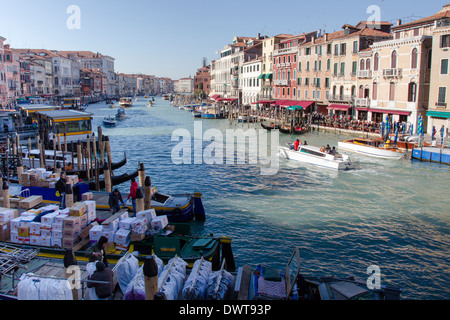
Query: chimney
[
  {"x": 399, "y": 22},
  {"x": 258, "y": 36},
  {"x": 325, "y": 37},
  {"x": 313, "y": 39}
]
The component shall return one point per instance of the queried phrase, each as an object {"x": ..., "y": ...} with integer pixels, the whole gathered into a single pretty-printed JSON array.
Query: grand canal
[{"x": 393, "y": 214}]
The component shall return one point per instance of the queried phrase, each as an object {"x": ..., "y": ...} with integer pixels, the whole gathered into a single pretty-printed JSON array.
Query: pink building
[
  {"x": 12, "y": 66},
  {"x": 3, "y": 83}
]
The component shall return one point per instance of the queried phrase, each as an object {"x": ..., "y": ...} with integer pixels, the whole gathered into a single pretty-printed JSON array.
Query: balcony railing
[
  {"x": 281, "y": 83},
  {"x": 392, "y": 73},
  {"x": 441, "y": 104},
  {"x": 340, "y": 98},
  {"x": 362, "y": 102},
  {"x": 364, "y": 74}
]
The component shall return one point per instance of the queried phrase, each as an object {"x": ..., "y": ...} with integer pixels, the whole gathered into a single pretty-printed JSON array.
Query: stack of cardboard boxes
[{"x": 46, "y": 179}]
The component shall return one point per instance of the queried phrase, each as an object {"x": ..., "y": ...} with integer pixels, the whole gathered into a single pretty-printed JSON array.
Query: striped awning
[
  {"x": 438, "y": 114},
  {"x": 339, "y": 107}
]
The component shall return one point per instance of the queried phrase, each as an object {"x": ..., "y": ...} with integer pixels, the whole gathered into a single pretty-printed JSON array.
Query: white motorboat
[
  {"x": 314, "y": 156},
  {"x": 372, "y": 148},
  {"x": 109, "y": 121},
  {"x": 126, "y": 102}
]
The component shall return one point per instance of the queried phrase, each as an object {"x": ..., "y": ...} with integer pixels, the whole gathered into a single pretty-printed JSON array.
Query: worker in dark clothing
[
  {"x": 102, "y": 274},
  {"x": 97, "y": 251},
  {"x": 114, "y": 199},
  {"x": 61, "y": 191}
]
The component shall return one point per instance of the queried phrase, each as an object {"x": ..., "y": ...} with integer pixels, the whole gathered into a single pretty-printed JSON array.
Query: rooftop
[{"x": 443, "y": 14}]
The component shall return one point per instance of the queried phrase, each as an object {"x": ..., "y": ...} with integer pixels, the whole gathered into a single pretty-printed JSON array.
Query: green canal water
[{"x": 393, "y": 214}]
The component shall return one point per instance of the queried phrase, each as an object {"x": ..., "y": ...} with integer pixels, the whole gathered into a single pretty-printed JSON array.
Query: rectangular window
[
  {"x": 336, "y": 50},
  {"x": 327, "y": 82},
  {"x": 355, "y": 47},
  {"x": 444, "y": 66},
  {"x": 354, "y": 67},
  {"x": 343, "y": 49},
  {"x": 445, "y": 41},
  {"x": 342, "y": 68},
  {"x": 392, "y": 91},
  {"x": 442, "y": 95}
]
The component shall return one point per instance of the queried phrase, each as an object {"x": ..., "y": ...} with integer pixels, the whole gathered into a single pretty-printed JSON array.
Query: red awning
[
  {"x": 362, "y": 109},
  {"x": 292, "y": 103},
  {"x": 339, "y": 107},
  {"x": 264, "y": 102},
  {"x": 215, "y": 97},
  {"x": 226, "y": 99},
  {"x": 396, "y": 112}
]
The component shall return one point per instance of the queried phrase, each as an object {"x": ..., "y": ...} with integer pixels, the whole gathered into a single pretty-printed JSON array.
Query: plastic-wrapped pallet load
[
  {"x": 220, "y": 285},
  {"x": 172, "y": 278},
  {"x": 35, "y": 288},
  {"x": 136, "y": 288},
  {"x": 125, "y": 270},
  {"x": 195, "y": 286}
]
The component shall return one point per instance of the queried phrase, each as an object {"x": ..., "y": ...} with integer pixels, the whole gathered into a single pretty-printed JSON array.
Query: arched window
[
  {"x": 375, "y": 91},
  {"x": 414, "y": 59},
  {"x": 376, "y": 61},
  {"x": 392, "y": 91},
  {"x": 362, "y": 65},
  {"x": 295, "y": 75},
  {"x": 361, "y": 91},
  {"x": 329, "y": 64},
  {"x": 368, "y": 64},
  {"x": 394, "y": 60},
  {"x": 412, "y": 92}
]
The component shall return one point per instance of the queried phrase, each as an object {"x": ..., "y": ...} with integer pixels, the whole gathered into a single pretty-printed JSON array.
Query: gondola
[
  {"x": 285, "y": 129},
  {"x": 114, "y": 180},
  {"x": 270, "y": 127},
  {"x": 302, "y": 130},
  {"x": 82, "y": 174}
]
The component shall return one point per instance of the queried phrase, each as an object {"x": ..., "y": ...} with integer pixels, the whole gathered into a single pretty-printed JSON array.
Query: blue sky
[{"x": 169, "y": 38}]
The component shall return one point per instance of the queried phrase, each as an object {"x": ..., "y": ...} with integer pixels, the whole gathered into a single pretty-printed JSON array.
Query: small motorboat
[
  {"x": 109, "y": 121},
  {"x": 112, "y": 106},
  {"x": 121, "y": 114},
  {"x": 150, "y": 104},
  {"x": 126, "y": 102},
  {"x": 317, "y": 157},
  {"x": 373, "y": 148}
]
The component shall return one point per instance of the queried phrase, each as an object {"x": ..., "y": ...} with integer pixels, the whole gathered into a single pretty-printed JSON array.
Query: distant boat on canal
[
  {"x": 109, "y": 121},
  {"x": 372, "y": 148}
]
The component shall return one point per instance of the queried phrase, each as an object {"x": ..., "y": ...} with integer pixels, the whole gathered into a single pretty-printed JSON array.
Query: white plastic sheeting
[
  {"x": 172, "y": 278},
  {"x": 195, "y": 286},
  {"x": 35, "y": 288},
  {"x": 135, "y": 290},
  {"x": 126, "y": 271}
]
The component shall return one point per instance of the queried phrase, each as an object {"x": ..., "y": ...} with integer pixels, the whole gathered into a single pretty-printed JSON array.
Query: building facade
[
  {"x": 439, "y": 108},
  {"x": 202, "y": 81},
  {"x": 3, "y": 81},
  {"x": 250, "y": 81}
]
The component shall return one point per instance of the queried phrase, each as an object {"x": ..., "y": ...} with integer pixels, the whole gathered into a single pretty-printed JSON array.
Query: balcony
[
  {"x": 441, "y": 104},
  {"x": 392, "y": 73},
  {"x": 362, "y": 102},
  {"x": 364, "y": 74},
  {"x": 340, "y": 98},
  {"x": 281, "y": 83}
]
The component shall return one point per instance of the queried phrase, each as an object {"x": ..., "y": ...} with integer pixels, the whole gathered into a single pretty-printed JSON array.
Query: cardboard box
[
  {"x": 124, "y": 215},
  {"x": 46, "y": 233},
  {"x": 56, "y": 242},
  {"x": 57, "y": 234},
  {"x": 113, "y": 226},
  {"x": 16, "y": 212},
  {"x": 69, "y": 243},
  {"x": 148, "y": 214},
  {"x": 35, "y": 240},
  {"x": 71, "y": 223},
  {"x": 48, "y": 219},
  {"x": 70, "y": 233},
  {"x": 59, "y": 219},
  {"x": 109, "y": 235},
  {"x": 91, "y": 210},
  {"x": 86, "y": 232},
  {"x": 14, "y": 237},
  {"x": 160, "y": 222},
  {"x": 122, "y": 247},
  {"x": 6, "y": 216},
  {"x": 24, "y": 232},
  {"x": 87, "y": 196},
  {"x": 57, "y": 227},
  {"x": 78, "y": 209},
  {"x": 122, "y": 236},
  {"x": 24, "y": 240},
  {"x": 30, "y": 202},
  {"x": 15, "y": 224},
  {"x": 46, "y": 241},
  {"x": 126, "y": 223},
  {"x": 47, "y": 227},
  {"x": 5, "y": 231},
  {"x": 110, "y": 247},
  {"x": 137, "y": 237},
  {"x": 95, "y": 232}
]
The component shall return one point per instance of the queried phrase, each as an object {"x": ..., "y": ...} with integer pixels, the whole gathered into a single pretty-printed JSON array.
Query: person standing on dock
[
  {"x": 61, "y": 191},
  {"x": 133, "y": 188},
  {"x": 115, "y": 198}
]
